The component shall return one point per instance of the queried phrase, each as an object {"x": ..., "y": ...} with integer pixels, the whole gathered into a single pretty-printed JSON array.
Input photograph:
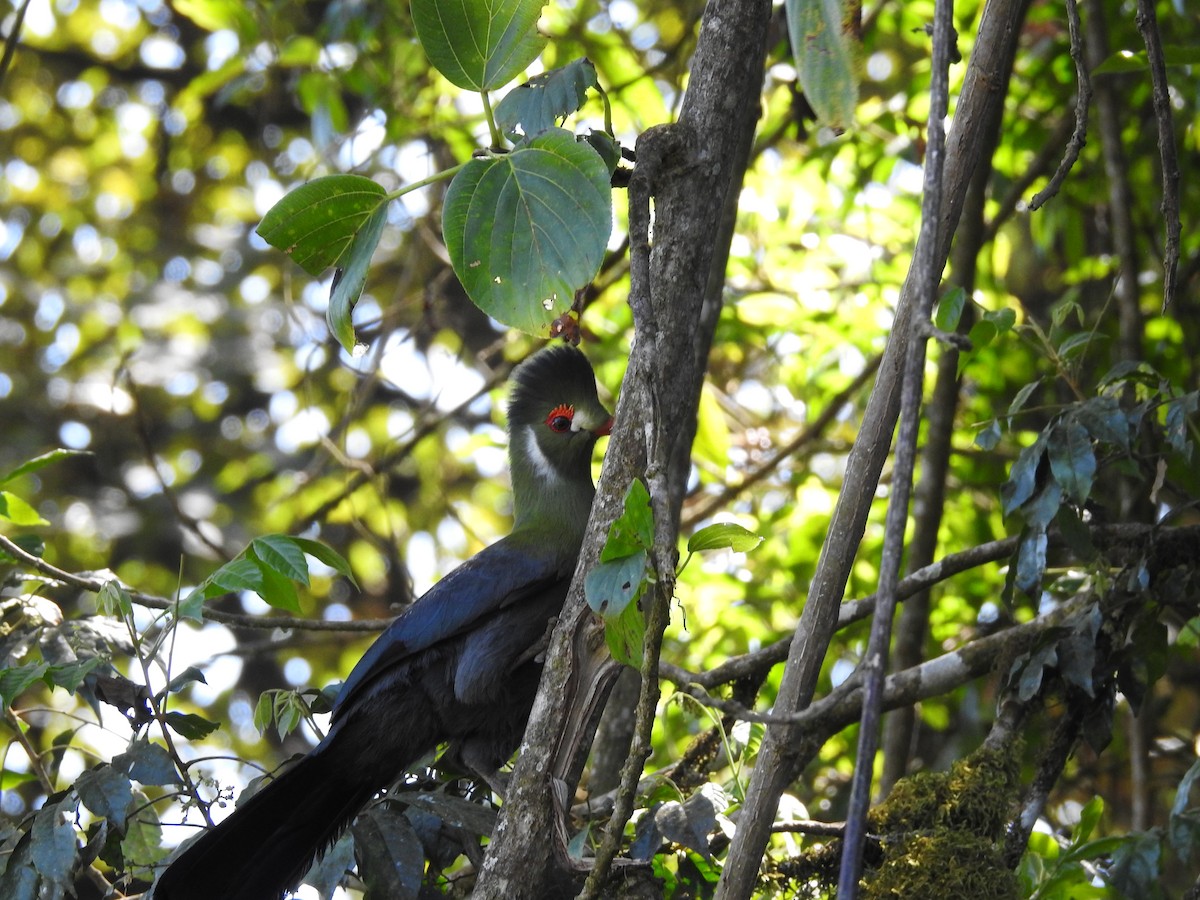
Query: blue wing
[{"x": 483, "y": 587}]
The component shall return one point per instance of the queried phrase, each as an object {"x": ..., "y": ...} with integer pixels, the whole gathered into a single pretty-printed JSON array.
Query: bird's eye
[{"x": 560, "y": 418}]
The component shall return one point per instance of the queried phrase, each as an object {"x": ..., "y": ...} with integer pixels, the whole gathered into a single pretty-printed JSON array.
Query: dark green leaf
[
  {"x": 950, "y": 308},
  {"x": 190, "y": 675},
  {"x": 526, "y": 230},
  {"x": 723, "y": 535},
  {"x": 190, "y": 726},
  {"x": 1031, "y": 561},
  {"x": 825, "y": 60},
  {"x": 14, "y": 681},
  {"x": 1105, "y": 420},
  {"x": 1076, "y": 535},
  {"x": 988, "y": 436},
  {"x": 1078, "y": 343},
  {"x": 1041, "y": 509},
  {"x": 52, "y": 846},
  {"x": 1135, "y": 870},
  {"x": 316, "y": 222},
  {"x": 279, "y": 591},
  {"x": 1022, "y": 396},
  {"x": 1077, "y": 650},
  {"x": 390, "y": 857},
  {"x": 609, "y": 149},
  {"x": 282, "y": 554},
  {"x": 70, "y": 676},
  {"x": 1032, "y": 669},
  {"x": 107, "y": 793},
  {"x": 1022, "y": 479},
  {"x": 147, "y": 763},
  {"x": 39, "y": 462},
  {"x": 1072, "y": 460},
  {"x": 1184, "y": 824},
  {"x": 351, "y": 278},
  {"x": 1178, "y": 411},
  {"x": 479, "y": 45},
  {"x": 239, "y": 574},
  {"x": 610, "y": 586},
  {"x": 327, "y": 555},
  {"x": 543, "y": 101}
]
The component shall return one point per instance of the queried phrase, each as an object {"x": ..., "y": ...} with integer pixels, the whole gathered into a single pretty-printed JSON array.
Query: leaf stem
[
  {"x": 424, "y": 182},
  {"x": 493, "y": 129}
]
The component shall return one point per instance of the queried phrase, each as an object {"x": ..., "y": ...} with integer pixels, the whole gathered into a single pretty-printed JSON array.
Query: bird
[{"x": 460, "y": 666}]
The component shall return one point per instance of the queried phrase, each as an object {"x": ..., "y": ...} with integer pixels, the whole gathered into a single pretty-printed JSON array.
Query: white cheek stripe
[{"x": 541, "y": 463}]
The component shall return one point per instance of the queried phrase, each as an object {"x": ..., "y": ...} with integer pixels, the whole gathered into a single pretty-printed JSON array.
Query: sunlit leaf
[
  {"x": 528, "y": 229},
  {"x": 318, "y": 221},
  {"x": 351, "y": 277},
  {"x": 479, "y": 45},
  {"x": 824, "y": 58},
  {"x": 40, "y": 462},
  {"x": 724, "y": 535},
  {"x": 18, "y": 511}
]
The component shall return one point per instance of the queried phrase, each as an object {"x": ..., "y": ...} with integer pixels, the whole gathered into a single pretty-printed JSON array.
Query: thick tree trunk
[{"x": 693, "y": 171}]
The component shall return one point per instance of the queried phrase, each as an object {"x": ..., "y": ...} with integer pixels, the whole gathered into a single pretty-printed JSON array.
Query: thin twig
[
  {"x": 1147, "y": 23},
  {"x": 1083, "y": 98}
]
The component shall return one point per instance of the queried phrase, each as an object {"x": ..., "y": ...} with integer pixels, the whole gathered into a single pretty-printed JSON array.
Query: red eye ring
[{"x": 560, "y": 418}]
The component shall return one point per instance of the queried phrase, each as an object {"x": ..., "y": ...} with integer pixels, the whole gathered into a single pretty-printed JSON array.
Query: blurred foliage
[{"x": 146, "y": 326}]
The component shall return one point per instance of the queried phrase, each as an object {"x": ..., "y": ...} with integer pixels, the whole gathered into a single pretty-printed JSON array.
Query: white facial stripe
[{"x": 541, "y": 464}]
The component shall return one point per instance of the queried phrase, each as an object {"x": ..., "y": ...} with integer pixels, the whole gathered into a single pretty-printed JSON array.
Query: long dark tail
[{"x": 269, "y": 842}]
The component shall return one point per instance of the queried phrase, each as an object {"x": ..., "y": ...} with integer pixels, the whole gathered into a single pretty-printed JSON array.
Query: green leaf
[
  {"x": 1022, "y": 479},
  {"x": 15, "y": 680},
  {"x": 351, "y": 278},
  {"x": 18, "y": 511},
  {"x": 724, "y": 535},
  {"x": 327, "y": 555},
  {"x": 114, "y": 600},
  {"x": 190, "y": 726},
  {"x": 219, "y": 15},
  {"x": 1089, "y": 818},
  {"x": 1178, "y": 411},
  {"x": 190, "y": 675},
  {"x": 988, "y": 436},
  {"x": 107, "y": 793},
  {"x": 824, "y": 59},
  {"x": 147, "y": 763},
  {"x": 528, "y": 229},
  {"x": 611, "y": 586},
  {"x": 1105, "y": 420},
  {"x": 950, "y": 308},
  {"x": 70, "y": 676},
  {"x": 1039, "y": 510},
  {"x": 282, "y": 554},
  {"x": 1078, "y": 343},
  {"x": 279, "y": 591},
  {"x": 318, "y": 221},
  {"x": 633, "y": 530},
  {"x": 52, "y": 846},
  {"x": 1031, "y": 562},
  {"x": 1022, "y": 396},
  {"x": 479, "y": 44},
  {"x": 544, "y": 100},
  {"x": 625, "y": 635},
  {"x": 1072, "y": 460},
  {"x": 39, "y": 462}
]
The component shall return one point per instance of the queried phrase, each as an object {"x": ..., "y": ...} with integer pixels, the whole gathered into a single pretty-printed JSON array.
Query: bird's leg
[{"x": 537, "y": 650}]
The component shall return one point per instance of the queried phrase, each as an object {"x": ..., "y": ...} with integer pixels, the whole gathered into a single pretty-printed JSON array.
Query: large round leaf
[
  {"x": 479, "y": 44},
  {"x": 528, "y": 229}
]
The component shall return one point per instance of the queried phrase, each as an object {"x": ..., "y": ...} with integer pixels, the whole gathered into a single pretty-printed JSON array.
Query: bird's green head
[{"x": 554, "y": 421}]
